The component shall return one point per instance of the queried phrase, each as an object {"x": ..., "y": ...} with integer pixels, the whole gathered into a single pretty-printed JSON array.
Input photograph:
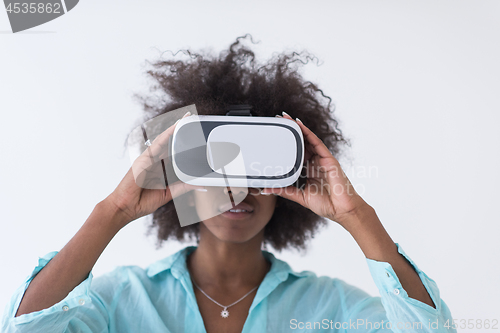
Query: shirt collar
[{"x": 176, "y": 263}]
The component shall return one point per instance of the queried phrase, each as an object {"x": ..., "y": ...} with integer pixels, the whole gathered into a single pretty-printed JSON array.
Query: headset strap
[{"x": 239, "y": 110}]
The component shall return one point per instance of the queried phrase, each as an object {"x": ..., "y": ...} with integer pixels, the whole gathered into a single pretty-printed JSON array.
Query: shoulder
[
  {"x": 324, "y": 286},
  {"x": 319, "y": 293},
  {"x": 307, "y": 295},
  {"x": 130, "y": 281},
  {"x": 159, "y": 272},
  {"x": 112, "y": 283},
  {"x": 308, "y": 283}
]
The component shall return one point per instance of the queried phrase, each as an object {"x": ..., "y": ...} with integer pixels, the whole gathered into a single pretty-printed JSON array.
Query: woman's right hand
[
  {"x": 139, "y": 193},
  {"x": 143, "y": 189}
]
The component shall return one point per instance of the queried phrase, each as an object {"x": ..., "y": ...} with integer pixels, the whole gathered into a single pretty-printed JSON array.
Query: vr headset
[
  {"x": 237, "y": 149},
  {"x": 215, "y": 153}
]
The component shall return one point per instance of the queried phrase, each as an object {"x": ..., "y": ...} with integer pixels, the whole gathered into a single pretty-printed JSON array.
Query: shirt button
[
  {"x": 388, "y": 275},
  {"x": 396, "y": 291},
  {"x": 65, "y": 308},
  {"x": 81, "y": 301}
]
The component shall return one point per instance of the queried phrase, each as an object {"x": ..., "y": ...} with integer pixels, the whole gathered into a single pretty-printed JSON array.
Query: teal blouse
[{"x": 161, "y": 299}]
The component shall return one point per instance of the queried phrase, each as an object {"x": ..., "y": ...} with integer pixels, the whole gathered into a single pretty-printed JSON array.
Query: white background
[{"x": 416, "y": 87}]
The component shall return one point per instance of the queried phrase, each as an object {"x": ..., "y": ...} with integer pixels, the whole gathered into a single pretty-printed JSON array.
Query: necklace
[{"x": 224, "y": 313}]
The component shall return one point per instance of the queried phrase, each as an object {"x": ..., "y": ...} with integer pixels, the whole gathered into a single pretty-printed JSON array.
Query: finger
[
  {"x": 170, "y": 130},
  {"x": 161, "y": 141},
  {"x": 156, "y": 151},
  {"x": 313, "y": 170},
  {"x": 308, "y": 152},
  {"x": 317, "y": 146}
]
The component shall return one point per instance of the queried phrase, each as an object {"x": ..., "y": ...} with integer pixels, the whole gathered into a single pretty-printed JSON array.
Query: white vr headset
[
  {"x": 237, "y": 150},
  {"x": 232, "y": 151}
]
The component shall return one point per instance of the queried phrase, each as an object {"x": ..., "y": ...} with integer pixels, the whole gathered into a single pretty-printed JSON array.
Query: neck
[{"x": 226, "y": 265}]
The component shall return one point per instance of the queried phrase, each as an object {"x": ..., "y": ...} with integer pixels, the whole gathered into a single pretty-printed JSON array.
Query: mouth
[{"x": 239, "y": 211}]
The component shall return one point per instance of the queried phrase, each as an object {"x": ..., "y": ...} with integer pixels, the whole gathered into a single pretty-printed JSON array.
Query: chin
[
  {"x": 233, "y": 235},
  {"x": 237, "y": 232},
  {"x": 233, "y": 239}
]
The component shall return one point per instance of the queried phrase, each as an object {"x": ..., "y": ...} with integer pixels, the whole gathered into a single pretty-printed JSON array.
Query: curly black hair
[{"x": 213, "y": 83}]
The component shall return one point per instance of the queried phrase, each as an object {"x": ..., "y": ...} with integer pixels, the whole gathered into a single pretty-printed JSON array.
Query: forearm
[
  {"x": 376, "y": 244},
  {"x": 74, "y": 262}
]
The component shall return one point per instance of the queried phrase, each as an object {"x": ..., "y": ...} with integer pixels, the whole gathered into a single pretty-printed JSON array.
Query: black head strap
[{"x": 239, "y": 110}]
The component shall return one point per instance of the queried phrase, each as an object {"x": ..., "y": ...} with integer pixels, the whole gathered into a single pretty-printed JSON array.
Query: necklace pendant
[{"x": 224, "y": 313}]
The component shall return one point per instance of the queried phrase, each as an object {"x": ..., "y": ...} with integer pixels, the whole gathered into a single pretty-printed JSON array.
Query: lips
[{"x": 241, "y": 206}]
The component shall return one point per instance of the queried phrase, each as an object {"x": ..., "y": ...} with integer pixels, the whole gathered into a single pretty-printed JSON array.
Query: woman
[{"x": 227, "y": 283}]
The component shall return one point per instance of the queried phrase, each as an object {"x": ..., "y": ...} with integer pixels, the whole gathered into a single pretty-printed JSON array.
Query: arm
[
  {"x": 74, "y": 262},
  {"x": 337, "y": 200},
  {"x": 408, "y": 295},
  {"x": 128, "y": 202},
  {"x": 376, "y": 244}
]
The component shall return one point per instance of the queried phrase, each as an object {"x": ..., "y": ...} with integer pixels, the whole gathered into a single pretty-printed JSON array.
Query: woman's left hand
[{"x": 327, "y": 192}]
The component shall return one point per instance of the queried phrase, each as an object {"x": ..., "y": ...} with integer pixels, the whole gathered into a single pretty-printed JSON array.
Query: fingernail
[
  {"x": 184, "y": 116},
  {"x": 264, "y": 193},
  {"x": 298, "y": 120},
  {"x": 278, "y": 116},
  {"x": 285, "y": 114}
]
